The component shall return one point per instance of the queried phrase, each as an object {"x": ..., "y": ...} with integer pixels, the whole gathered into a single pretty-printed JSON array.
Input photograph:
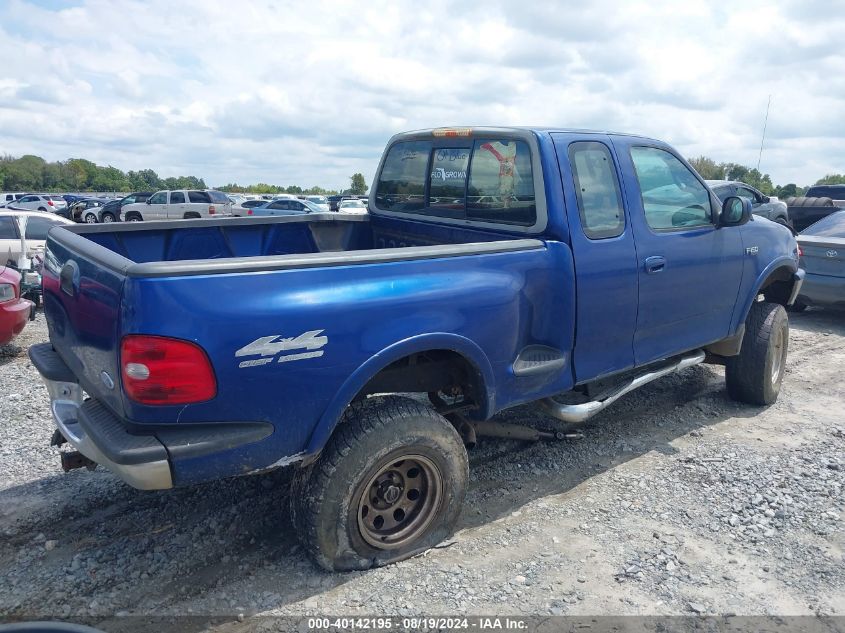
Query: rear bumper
[
  {"x": 13, "y": 318},
  {"x": 144, "y": 461},
  {"x": 822, "y": 290}
]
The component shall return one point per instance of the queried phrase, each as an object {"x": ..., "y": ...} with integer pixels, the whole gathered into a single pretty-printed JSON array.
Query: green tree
[
  {"x": 707, "y": 168},
  {"x": 358, "y": 186},
  {"x": 832, "y": 179}
]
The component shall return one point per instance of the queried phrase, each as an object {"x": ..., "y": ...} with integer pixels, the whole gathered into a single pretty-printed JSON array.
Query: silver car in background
[
  {"x": 768, "y": 207},
  {"x": 822, "y": 255}
]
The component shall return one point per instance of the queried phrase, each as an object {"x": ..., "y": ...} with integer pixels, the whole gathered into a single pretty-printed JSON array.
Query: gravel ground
[{"x": 676, "y": 501}]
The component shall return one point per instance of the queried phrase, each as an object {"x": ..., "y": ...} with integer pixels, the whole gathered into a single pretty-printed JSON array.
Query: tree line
[
  {"x": 33, "y": 173},
  {"x": 711, "y": 170}
]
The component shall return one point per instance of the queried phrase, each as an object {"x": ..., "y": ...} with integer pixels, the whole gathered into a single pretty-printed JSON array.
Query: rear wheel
[
  {"x": 42, "y": 209},
  {"x": 756, "y": 374},
  {"x": 389, "y": 485},
  {"x": 90, "y": 218},
  {"x": 134, "y": 217},
  {"x": 108, "y": 217}
]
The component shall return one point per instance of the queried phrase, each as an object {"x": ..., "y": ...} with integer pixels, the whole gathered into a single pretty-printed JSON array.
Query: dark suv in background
[
  {"x": 834, "y": 192},
  {"x": 111, "y": 211}
]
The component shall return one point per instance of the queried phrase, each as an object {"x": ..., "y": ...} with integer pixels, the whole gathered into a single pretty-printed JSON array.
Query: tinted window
[
  {"x": 279, "y": 204},
  {"x": 597, "y": 189},
  {"x": 722, "y": 192},
  {"x": 127, "y": 200},
  {"x": 501, "y": 183},
  {"x": 159, "y": 197},
  {"x": 401, "y": 185},
  {"x": 8, "y": 229},
  {"x": 200, "y": 197},
  {"x": 249, "y": 204},
  {"x": 29, "y": 199},
  {"x": 36, "y": 228},
  {"x": 672, "y": 196},
  {"x": 745, "y": 192},
  {"x": 177, "y": 197},
  {"x": 216, "y": 196},
  {"x": 448, "y": 181}
]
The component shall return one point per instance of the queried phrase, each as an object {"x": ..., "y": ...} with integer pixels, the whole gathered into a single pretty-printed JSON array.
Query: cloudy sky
[{"x": 308, "y": 92}]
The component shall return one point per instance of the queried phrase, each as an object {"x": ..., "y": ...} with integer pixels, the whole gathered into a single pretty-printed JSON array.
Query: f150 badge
[{"x": 269, "y": 348}]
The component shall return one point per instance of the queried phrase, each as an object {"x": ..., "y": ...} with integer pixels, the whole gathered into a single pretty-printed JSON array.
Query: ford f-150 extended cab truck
[{"x": 497, "y": 266}]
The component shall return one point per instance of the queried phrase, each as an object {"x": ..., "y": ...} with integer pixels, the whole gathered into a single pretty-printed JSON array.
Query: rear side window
[
  {"x": 8, "y": 229},
  {"x": 490, "y": 181},
  {"x": 36, "y": 228},
  {"x": 216, "y": 196},
  {"x": 200, "y": 197},
  {"x": 673, "y": 198},
  {"x": 597, "y": 190},
  {"x": 177, "y": 197},
  {"x": 401, "y": 185}
]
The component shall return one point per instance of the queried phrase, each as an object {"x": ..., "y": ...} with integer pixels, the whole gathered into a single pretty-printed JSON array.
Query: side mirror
[
  {"x": 736, "y": 211},
  {"x": 149, "y": 200},
  {"x": 766, "y": 199}
]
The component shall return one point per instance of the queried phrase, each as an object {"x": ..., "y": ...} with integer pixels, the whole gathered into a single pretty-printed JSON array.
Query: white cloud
[{"x": 308, "y": 93}]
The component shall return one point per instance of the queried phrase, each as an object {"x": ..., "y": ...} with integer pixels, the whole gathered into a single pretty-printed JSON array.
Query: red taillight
[
  {"x": 50, "y": 202},
  {"x": 800, "y": 252},
  {"x": 161, "y": 371},
  {"x": 249, "y": 211},
  {"x": 211, "y": 210}
]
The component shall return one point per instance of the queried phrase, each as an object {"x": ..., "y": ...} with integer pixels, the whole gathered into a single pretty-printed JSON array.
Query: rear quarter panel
[{"x": 487, "y": 307}]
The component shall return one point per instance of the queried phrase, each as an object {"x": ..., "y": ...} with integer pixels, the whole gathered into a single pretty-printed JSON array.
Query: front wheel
[
  {"x": 756, "y": 374},
  {"x": 134, "y": 217},
  {"x": 389, "y": 484},
  {"x": 107, "y": 218},
  {"x": 90, "y": 218}
]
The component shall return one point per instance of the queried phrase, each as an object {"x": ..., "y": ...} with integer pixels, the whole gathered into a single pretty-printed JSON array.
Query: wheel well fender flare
[
  {"x": 464, "y": 347},
  {"x": 781, "y": 266}
]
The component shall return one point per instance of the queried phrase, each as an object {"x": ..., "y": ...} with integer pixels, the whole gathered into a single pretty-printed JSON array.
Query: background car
[
  {"x": 320, "y": 201},
  {"x": 86, "y": 210},
  {"x": 822, "y": 256},
  {"x": 355, "y": 206},
  {"x": 245, "y": 207},
  {"x": 9, "y": 197},
  {"x": 834, "y": 192},
  {"x": 32, "y": 225},
  {"x": 40, "y": 202},
  {"x": 765, "y": 206},
  {"x": 14, "y": 310},
  {"x": 112, "y": 210},
  {"x": 286, "y": 206}
]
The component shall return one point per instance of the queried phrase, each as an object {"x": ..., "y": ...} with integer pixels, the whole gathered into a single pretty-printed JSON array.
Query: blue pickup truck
[{"x": 496, "y": 266}]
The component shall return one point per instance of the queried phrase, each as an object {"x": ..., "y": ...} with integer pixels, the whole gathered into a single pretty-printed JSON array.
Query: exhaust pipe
[{"x": 573, "y": 413}]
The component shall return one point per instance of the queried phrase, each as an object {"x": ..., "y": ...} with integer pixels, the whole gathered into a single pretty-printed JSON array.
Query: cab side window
[
  {"x": 159, "y": 198},
  {"x": 673, "y": 198},
  {"x": 177, "y": 197},
  {"x": 597, "y": 190}
]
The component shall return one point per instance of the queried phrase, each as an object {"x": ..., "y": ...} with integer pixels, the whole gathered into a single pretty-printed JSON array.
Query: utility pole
[{"x": 762, "y": 140}]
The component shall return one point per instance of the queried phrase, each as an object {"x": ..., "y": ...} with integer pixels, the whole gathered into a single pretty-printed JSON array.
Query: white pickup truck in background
[{"x": 179, "y": 204}]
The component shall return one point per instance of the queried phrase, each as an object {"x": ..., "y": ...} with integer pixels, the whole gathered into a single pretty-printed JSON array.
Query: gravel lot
[{"x": 676, "y": 501}]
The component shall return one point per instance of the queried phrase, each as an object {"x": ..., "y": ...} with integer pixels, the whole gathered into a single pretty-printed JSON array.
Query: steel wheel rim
[
  {"x": 399, "y": 502},
  {"x": 777, "y": 358}
]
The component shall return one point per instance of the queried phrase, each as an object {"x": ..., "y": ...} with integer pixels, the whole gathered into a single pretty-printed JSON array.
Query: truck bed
[{"x": 152, "y": 249}]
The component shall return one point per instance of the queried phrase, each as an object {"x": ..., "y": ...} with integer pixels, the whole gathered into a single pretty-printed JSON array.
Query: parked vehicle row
[
  {"x": 768, "y": 207},
  {"x": 179, "y": 204}
]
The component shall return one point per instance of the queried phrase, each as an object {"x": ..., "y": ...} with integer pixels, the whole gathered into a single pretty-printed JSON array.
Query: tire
[
  {"x": 339, "y": 508},
  {"x": 756, "y": 374},
  {"x": 798, "y": 306},
  {"x": 90, "y": 218},
  {"x": 42, "y": 209},
  {"x": 134, "y": 217},
  {"x": 108, "y": 218}
]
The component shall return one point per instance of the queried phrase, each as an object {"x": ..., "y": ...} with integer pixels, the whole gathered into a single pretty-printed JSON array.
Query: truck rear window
[{"x": 490, "y": 180}]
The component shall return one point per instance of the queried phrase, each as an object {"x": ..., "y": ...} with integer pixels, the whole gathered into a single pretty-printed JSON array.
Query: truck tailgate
[{"x": 82, "y": 307}]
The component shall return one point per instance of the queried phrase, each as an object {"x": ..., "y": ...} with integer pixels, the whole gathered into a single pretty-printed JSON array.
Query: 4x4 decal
[{"x": 269, "y": 347}]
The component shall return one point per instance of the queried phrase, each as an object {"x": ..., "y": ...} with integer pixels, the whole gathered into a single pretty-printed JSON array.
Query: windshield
[{"x": 318, "y": 199}]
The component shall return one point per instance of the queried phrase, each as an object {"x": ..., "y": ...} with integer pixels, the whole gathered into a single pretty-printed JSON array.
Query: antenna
[{"x": 762, "y": 140}]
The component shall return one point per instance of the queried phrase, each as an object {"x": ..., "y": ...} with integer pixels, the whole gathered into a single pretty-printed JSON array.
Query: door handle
[{"x": 655, "y": 264}]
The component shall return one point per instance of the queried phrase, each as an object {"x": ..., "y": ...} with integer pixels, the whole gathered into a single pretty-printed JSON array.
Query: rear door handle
[{"x": 655, "y": 264}]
